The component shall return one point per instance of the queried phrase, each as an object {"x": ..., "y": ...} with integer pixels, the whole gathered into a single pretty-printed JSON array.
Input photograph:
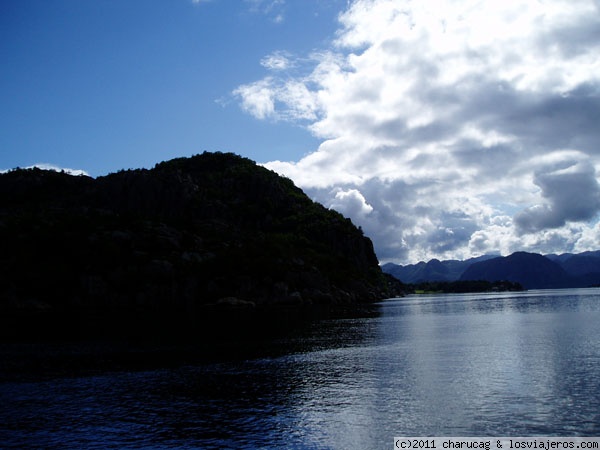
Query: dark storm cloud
[
  {"x": 568, "y": 120},
  {"x": 573, "y": 39},
  {"x": 572, "y": 194}
]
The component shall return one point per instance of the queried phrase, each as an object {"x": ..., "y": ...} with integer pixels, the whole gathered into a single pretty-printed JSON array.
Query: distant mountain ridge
[
  {"x": 433, "y": 270},
  {"x": 532, "y": 270}
]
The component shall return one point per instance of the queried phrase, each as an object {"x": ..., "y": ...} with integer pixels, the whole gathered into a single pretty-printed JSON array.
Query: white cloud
[
  {"x": 451, "y": 118},
  {"x": 46, "y": 166},
  {"x": 261, "y": 98},
  {"x": 258, "y": 98},
  {"x": 277, "y": 61},
  {"x": 351, "y": 203}
]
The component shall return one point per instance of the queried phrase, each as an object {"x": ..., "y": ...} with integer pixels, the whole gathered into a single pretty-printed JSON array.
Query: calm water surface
[{"x": 507, "y": 364}]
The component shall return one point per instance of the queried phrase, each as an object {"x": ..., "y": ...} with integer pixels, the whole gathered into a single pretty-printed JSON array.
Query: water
[{"x": 507, "y": 364}]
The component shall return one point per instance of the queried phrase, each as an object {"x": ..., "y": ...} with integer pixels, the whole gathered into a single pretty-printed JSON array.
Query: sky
[{"x": 444, "y": 128}]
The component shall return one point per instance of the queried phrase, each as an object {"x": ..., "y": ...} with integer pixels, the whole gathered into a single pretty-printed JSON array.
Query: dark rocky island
[{"x": 214, "y": 232}]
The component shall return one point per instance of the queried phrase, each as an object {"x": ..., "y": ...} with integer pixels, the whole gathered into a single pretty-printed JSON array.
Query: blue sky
[
  {"x": 108, "y": 84},
  {"x": 444, "y": 128}
]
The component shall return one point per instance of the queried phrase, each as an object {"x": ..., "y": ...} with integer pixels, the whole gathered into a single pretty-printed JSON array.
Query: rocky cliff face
[{"x": 210, "y": 231}]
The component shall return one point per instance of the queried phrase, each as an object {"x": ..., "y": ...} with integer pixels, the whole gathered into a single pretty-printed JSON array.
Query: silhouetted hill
[{"x": 192, "y": 234}]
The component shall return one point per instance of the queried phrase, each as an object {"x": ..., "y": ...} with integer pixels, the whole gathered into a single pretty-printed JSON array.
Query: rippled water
[{"x": 473, "y": 365}]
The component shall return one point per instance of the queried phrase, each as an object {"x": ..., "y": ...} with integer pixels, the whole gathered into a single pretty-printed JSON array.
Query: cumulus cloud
[
  {"x": 466, "y": 127},
  {"x": 350, "y": 203}
]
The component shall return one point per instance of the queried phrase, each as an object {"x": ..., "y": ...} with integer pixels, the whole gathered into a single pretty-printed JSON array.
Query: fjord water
[{"x": 498, "y": 364}]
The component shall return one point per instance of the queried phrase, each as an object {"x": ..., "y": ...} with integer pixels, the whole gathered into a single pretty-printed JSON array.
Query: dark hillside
[{"x": 189, "y": 236}]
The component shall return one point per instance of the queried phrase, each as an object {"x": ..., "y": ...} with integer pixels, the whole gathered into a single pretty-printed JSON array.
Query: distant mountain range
[{"x": 531, "y": 270}]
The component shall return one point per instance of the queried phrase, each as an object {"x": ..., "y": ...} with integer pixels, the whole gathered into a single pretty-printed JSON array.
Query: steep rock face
[{"x": 214, "y": 229}]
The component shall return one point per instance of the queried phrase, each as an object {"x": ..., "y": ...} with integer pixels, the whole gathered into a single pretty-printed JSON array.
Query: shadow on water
[
  {"x": 50, "y": 345},
  {"x": 238, "y": 381}
]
